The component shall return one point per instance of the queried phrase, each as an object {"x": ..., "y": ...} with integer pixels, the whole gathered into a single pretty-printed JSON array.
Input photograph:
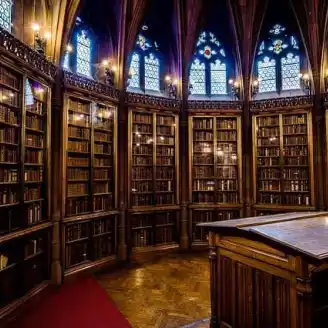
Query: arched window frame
[
  {"x": 208, "y": 51},
  {"x": 7, "y": 14},
  {"x": 69, "y": 60},
  {"x": 145, "y": 49},
  {"x": 277, "y": 46}
]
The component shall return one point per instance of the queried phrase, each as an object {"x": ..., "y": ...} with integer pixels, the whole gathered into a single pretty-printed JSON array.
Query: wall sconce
[
  {"x": 171, "y": 86},
  {"x": 190, "y": 88},
  {"x": 40, "y": 43},
  {"x": 130, "y": 76},
  {"x": 306, "y": 83},
  {"x": 235, "y": 88},
  {"x": 109, "y": 72},
  {"x": 255, "y": 87}
]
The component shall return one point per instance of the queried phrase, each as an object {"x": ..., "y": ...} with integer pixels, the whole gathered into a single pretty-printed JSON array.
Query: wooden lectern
[{"x": 270, "y": 272}]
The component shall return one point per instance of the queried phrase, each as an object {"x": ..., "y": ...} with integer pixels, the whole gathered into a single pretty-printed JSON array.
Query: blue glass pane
[
  {"x": 135, "y": 71},
  {"x": 151, "y": 73},
  {"x": 218, "y": 78},
  {"x": 290, "y": 70},
  {"x": 29, "y": 98},
  {"x": 5, "y": 14},
  {"x": 267, "y": 75},
  {"x": 83, "y": 63},
  {"x": 197, "y": 77},
  {"x": 66, "y": 61}
]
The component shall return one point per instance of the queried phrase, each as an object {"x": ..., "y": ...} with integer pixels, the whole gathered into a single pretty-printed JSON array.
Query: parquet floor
[{"x": 169, "y": 293}]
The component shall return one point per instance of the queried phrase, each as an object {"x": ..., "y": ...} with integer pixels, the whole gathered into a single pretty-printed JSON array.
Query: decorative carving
[
  {"x": 19, "y": 50},
  {"x": 87, "y": 84},
  {"x": 212, "y": 104},
  {"x": 290, "y": 102},
  {"x": 158, "y": 102}
]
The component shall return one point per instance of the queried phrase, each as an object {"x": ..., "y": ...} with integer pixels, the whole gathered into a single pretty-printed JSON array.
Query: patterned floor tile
[{"x": 170, "y": 293}]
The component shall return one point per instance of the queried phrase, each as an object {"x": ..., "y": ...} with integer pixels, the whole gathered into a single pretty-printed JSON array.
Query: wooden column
[
  {"x": 319, "y": 130},
  {"x": 122, "y": 175},
  {"x": 56, "y": 142},
  {"x": 213, "y": 281},
  {"x": 184, "y": 149}
]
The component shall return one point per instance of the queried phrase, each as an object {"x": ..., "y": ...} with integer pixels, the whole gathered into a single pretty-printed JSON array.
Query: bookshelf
[
  {"x": 89, "y": 168},
  {"x": 25, "y": 196},
  {"x": 215, "y": 170},
  {"x": 283, "y": 161},
  {"x": 153, "y": 178}
]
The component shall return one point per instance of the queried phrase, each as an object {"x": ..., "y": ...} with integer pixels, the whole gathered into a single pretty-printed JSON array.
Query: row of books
[
  {"x": 8, "y": 175},
  {"x": 140, "y": 129},
  {"x": 34, "y": 214},
  {"x": 8, "y": 135},
  {"x": 142, "y": 160},
  {"x": 34, "y": 140},
  {"x": 77, "y": 132},
  {"x": 165, "y": 160},
  {"x": 33, "y": 247},
  {"x": 295, "y": 140},
  {"x": 215, "y": 185},
  {"x": 77, "y": 189},
  {"x": 165, "y": 131},
  {"x": 8, "y": 155},
  {"x": 8, "y": 196},
  {"x": 165, "y": 120},
  {"x": 33, "y": 156},
  {"x": 269, "y": 132},
  {"x": 7, "y": 115},
  {"x": 7, "y": 78},
  {"x": 32, "y": 194},
  {"x": 78, "y": 106},
  {"x": 101, "y": 174},
  {"x": 78, "y": 146},
  {"x": 37, "y": 107},
  {"x": 101, "y": 188},
  {"x": 102, "y": 137},
  {"x": 142, "y": 118},
  {"x": 78, "y": 174},
  {"x": 267, "y": 198},
  {"x": 79, "y": 119},
  {"x": 103, "y": 149},
  {"x": 34, "y": 122},
  {"x": 165, "y": 141},
  {"x": 162, "y": 151},
  {"x": 167, "y": 186},
  {"x": 102, "y": 203}
]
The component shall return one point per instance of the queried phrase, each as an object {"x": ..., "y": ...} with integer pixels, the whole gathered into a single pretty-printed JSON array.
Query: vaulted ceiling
[{"x": 241, "y": 21}]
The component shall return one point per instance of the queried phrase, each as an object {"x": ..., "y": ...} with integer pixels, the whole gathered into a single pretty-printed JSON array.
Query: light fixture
[
  {"x": 40, "y": 43},
  {"x": 305, "y": 83},
  {"x": 69, "y": 48},
  {"x": 171, "y": 86},
  {"x": 132, "y": 72},
  {"x": 109, "y": 72},
  {"x": 235, "y": 88},
  {"x": 255, "y": 87}
]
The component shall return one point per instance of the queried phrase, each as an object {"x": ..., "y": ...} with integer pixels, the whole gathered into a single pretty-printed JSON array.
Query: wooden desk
[{"x": 270, "y": 272}]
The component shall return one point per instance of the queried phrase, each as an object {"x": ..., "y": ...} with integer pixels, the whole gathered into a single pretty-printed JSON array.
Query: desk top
[{"x": 305, "y": 232}]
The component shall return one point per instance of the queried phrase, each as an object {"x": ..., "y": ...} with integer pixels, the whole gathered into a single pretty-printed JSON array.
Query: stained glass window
[
  {"x": 197, "y": 77},
  {"x": 290, "y": 70},
  {"x": 151, "y": 73},
  {"x": 83, "y": 62},
  {"x": 5, "y": 14},
  {"x": 29, "y": 98},
  {"x": 278, "y": 64},
  {"x": 208, "y": 71},
  {"x": 218, "y": 78},
  {"x": 135, "y": 71},
  {"x": 267, "y": 75}
]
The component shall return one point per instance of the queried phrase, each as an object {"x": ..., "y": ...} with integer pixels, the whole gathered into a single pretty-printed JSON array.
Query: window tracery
[
  {"x": 208, "y": 70},
  {"x": 83, "y": 49},
  {"x": 6, "y": 14},
  {"x": 278, "y": 62}
]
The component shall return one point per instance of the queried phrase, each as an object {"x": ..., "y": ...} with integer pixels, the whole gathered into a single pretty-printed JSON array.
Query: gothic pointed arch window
[
  {"x": 208, "y": 70},
  {"x": 145, "y": 64},
  {"x": 6, "y": 14},
  {"x": 83, "y": 53},
  {"x": 278, "y": 62}
]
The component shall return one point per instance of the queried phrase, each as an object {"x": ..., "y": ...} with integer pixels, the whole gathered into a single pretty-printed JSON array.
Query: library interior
[{"x": 163, "y": 164}]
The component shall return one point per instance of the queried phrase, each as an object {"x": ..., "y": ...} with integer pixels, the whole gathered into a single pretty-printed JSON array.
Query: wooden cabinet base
[{"x": 269, "y": 272}]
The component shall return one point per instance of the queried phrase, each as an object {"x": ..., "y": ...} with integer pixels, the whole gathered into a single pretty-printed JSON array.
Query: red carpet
[{"x": 83, "y": 304}]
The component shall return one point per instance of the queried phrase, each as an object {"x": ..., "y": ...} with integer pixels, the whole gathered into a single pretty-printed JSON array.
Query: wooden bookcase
[
  {"x": 153, "y": 178},
  {"x": 89, "y": 175},
  {"x": 283, "y": 161},
  {"x": 215, "y": 171},
  {"x": 25, "y": 191}
]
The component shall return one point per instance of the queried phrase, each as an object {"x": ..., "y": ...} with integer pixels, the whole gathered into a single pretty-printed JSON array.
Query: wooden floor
[{"x": 169, "y": 293}]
